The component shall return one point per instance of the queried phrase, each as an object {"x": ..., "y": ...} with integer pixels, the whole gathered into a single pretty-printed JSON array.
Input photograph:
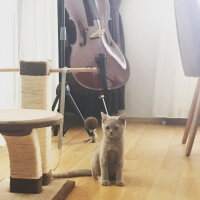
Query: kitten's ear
[
  {"x": 123, "y": 117},
  {"x": 104, "y": 116}
]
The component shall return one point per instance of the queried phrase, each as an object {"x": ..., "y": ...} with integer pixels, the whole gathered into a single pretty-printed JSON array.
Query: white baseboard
[{"x": 157, "y": 120}]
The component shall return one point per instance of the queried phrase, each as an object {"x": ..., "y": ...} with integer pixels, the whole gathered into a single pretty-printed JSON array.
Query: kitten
[{"x": 107, "y": 161}]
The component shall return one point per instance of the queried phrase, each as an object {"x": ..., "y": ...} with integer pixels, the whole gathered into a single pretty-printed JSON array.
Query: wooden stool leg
[
  {"x": 191, "y": 113},
  {"x": 194, "y": 126}
]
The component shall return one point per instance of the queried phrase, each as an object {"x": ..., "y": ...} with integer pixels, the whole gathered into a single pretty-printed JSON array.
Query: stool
[{"x": 23, "y": 146}]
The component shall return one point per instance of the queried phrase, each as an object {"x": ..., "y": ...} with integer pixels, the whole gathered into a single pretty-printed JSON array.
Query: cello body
[{"x": 85, "y": 51}]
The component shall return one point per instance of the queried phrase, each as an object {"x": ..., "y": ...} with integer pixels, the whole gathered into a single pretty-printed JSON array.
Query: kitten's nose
[{"x": 111, "y": 132}]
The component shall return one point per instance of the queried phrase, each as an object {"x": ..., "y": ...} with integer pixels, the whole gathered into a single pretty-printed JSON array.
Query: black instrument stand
[{"x": 57, "y": 99}]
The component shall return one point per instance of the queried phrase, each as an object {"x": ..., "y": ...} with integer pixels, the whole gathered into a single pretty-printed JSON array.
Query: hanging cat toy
[{"x": 90, "y": 123}]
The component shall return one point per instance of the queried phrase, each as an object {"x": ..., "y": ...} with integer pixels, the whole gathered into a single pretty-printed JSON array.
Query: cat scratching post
[
  {"x": 24, "y": 154},
  {"x": 36, "y": 94},
  {"x": 29, "y": 148}
]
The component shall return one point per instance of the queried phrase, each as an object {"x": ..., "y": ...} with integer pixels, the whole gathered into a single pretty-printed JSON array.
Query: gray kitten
[{"x": 108, "y": 160}]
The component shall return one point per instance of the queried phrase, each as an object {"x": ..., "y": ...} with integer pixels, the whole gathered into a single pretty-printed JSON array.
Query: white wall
[{"x": 142, "y": 21}]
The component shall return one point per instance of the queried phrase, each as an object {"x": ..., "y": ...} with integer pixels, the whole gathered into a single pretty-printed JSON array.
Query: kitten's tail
[{"x": 73, "y": 173}]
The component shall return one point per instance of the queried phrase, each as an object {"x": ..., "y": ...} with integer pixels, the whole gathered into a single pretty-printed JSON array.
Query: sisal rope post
[
  {"x": 25, "y": 163},
  {"x": 36, "y": 94}
]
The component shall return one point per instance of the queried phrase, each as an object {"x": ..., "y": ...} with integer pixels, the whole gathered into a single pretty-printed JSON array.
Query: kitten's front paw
[
  {"x": 105, "y": 182},
  {"x": 120, "y": 183}
]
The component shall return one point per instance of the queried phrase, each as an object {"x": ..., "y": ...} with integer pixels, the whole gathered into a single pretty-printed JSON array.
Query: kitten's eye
[
  {"x": 107, "y": 127},
  {"x": 116, "y": 128}
]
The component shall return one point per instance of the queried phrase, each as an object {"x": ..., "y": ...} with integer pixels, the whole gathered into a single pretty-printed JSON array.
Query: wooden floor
[{"x": 155, "y": 165}]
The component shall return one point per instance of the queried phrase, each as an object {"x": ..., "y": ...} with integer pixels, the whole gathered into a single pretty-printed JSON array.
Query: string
[{"x": 104, "y": 103}]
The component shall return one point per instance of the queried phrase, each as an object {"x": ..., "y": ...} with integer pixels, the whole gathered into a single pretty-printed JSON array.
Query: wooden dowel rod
[
  {"x": 85, "y": 69},
  {"x": 59, "y": 70},
  {"x": 9, "y": 69}
]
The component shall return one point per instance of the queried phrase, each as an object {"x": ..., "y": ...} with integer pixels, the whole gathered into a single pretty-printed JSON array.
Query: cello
[{"x": 90, "y": 49}]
